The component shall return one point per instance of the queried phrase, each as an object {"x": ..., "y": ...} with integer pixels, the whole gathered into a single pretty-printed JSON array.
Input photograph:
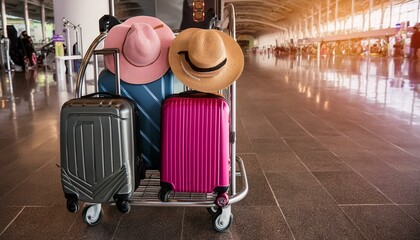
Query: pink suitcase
[{"x": 195, "y": 145}]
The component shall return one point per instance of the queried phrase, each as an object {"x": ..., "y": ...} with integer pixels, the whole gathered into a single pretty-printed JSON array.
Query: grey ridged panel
[{"x": 97, "y": 148}]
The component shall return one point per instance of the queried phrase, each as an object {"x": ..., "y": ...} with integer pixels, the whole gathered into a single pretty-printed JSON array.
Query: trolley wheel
[
  {"x": 164, "y": 194},
  {"x": 123, "y": 206},
  {"x": 93, "y": 214},
  {"x": 222, "y": 200},
  {"x": 212, "y": 210},
  {"x": 73, "y": 206},
  {"x": 219, "y": 224}
]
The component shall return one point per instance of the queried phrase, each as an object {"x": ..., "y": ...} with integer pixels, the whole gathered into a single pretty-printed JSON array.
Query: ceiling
[
  {"x": 256, "y": 17},
  {"x": 253, "y": 17},
  {"x": 15, "y": 8}
]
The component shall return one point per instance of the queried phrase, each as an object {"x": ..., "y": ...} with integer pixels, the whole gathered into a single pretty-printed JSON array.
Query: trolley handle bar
[
  {"x": 85, "y": 62},
  {"x": 240, "y": 195}
]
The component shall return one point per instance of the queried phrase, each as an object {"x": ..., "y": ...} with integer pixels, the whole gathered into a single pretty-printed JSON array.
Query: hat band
[
  {"x": 137, "y": 65},
  {"x": 199, "y": 69}
]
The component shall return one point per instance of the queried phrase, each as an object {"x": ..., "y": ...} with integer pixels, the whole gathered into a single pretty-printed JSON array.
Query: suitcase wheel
[
  {"x": 73, "y": 206},
  {"x": 93, "y": 214},
  {"x": 222, "y": 200},
  {"x": 123, "y": 206},
  {"x": 164, "y": 194},
  {"x": 219, "y": 223}
]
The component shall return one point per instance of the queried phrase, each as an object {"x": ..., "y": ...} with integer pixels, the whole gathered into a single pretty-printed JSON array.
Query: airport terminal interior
[{"x": 327, "y": 125}]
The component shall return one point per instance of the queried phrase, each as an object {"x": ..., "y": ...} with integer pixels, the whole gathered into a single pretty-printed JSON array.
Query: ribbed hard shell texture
[{"x": 195, "y": 144}]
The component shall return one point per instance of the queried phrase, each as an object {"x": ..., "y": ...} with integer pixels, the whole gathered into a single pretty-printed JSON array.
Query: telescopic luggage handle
[{"x": 116, "y": 54}]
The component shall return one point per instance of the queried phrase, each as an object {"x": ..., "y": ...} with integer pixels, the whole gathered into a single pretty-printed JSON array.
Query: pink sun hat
[{"x": 143, "y": 43}]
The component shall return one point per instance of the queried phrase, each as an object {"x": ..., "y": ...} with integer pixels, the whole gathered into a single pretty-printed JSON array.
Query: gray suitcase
[{"x": 100, "y": 161}]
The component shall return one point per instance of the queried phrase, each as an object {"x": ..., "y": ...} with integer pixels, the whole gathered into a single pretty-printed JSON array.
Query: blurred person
[
  {"x": 29, "y": 49},
  {"x": 415, "y": 41},
  {"x": 16, "y": 49},
  {"x": 398, "y": 48},
  {"x": 324, "y": 49},
  {"x": 359, "y": 48},
  {"x": 385, "y": 48},
  {"x": 374, "y": 48}
]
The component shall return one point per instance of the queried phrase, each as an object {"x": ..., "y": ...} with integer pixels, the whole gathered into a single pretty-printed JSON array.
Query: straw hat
[
  {"x": 144, "y": 45},
  {"x": 206, "y": 60}
]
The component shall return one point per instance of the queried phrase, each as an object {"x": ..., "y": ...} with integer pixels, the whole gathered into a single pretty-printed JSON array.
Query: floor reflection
[
  {"x": 18, "y": 90},
  {"x": 390, "y": 83}
]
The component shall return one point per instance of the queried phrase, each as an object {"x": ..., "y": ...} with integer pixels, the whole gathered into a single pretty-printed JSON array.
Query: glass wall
[
  {"x": 380, "y": 17},
  {"x": 388, "y": 14}
]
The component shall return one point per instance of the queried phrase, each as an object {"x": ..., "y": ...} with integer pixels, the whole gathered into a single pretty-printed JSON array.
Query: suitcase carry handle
[
  {"x": 195, "y": 93},
  {"x": 100, "y": 93},
  {"x": 110, "y": 95}
]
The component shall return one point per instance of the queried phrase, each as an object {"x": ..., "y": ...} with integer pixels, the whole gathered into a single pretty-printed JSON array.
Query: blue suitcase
[{"x": 148, "y": 98}]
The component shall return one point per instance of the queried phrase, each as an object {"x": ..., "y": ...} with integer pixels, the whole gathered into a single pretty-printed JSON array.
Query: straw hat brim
[
  {"x": 134, "y": 74},
  {"x": 221, "y": 79}
]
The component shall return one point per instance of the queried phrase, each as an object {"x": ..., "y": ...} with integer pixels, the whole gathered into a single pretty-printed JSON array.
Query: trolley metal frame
[{"x": 148, "y": 191}]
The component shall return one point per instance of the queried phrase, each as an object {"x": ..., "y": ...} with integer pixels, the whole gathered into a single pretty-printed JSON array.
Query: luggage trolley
[{"x": 147, "y": 194}]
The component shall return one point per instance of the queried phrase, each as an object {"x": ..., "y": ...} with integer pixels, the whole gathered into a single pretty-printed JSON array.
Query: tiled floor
[{"x": 331, "y": 147}]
